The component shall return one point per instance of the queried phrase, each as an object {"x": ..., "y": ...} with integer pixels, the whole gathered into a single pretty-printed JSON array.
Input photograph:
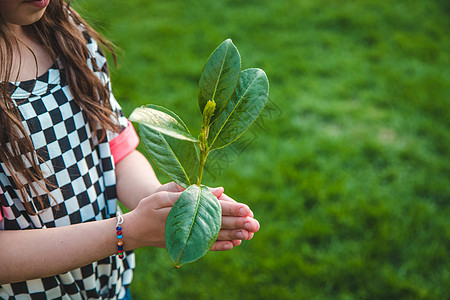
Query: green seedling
[{"x": 230, "y": 100}]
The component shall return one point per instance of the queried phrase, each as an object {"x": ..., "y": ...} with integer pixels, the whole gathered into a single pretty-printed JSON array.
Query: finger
[
  {"x": 246, "y": 223},
  {"x": 166, "y": 199},
  {"x": 218, "y": 191},
  {"x": 222, "y": 246},
  {"x": 225, "y": 245},
  {"x": 236, "y": 242},
  {"x": 171, "y": 187},
  {"x": 225, "y": 197},
  {"x": 238, "y": 234},
  {"x": 235, "y": 209}
]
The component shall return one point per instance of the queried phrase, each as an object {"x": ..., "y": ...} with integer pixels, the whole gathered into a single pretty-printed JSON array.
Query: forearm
[
  {"x": 38, "y": 253},
  {"x": 135, "y": 179}
]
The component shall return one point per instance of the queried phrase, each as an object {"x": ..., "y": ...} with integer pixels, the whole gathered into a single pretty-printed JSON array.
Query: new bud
[{"x": 208, "y": 112}]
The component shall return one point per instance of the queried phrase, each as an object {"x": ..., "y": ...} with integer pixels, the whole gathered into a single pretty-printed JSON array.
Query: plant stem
[
  {"x": 203, "y": 155},
  {"x": 204, "y": 150}
]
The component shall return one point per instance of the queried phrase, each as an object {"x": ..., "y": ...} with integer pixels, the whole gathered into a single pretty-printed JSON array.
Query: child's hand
[
  {"x": 144, "y": 226},
  {"x": 149, "y": 218},
  {"x": 237, "y": 222}
]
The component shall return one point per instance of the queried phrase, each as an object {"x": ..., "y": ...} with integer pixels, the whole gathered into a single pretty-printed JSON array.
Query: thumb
[
  {"x": 217, "y": 191},
  {"x": 171, "y": 187},
  {"x": 166, "y": 199}
]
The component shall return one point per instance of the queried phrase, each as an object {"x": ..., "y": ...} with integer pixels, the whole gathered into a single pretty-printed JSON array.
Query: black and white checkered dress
[{"x": 83, "y": 171}]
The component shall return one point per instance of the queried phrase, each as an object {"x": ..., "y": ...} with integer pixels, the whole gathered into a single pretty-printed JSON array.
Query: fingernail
[
  {"x": 242, "y": 211},
  {"x": 248, "y": 226},
  {"x": 240, "y": 235}
]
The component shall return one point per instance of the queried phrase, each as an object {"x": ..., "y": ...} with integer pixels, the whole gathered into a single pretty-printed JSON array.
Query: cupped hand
[
  {"x": 145, "y": 225},
  {"x": 149, "y": 218},
  {"x": 238, "y": 222}
]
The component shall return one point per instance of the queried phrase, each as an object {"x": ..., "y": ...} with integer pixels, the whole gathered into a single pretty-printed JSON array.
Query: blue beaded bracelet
[{"x": 119, "y": 234}]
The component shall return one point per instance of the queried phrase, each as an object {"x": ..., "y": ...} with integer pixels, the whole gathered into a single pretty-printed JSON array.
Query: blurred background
[{"x": 347, "y": 169}]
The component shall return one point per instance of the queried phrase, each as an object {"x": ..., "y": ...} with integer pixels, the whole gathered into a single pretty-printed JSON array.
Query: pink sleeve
[
  {"x": 1, "y": 207},
  {"x": 124, "y": 143}
]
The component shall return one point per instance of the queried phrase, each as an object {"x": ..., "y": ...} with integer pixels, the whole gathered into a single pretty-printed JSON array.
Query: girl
[{"x": 67, "y": 154}]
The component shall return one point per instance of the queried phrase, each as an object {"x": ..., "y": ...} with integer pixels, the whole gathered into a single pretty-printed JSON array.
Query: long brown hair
[{"x": 59, "y": 32}]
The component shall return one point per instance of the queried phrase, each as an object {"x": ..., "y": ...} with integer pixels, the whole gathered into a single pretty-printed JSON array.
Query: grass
[{"x": 347, "y": 169}]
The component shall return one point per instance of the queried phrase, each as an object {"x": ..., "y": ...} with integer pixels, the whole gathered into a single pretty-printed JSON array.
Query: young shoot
[{"x": 230, "y": 100}]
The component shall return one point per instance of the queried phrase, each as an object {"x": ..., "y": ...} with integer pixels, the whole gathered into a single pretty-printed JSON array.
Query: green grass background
[{"x": 347, "y": 169}]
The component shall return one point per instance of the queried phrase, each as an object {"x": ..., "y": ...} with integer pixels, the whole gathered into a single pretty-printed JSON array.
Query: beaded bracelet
[{"x": 119, "y": 234}]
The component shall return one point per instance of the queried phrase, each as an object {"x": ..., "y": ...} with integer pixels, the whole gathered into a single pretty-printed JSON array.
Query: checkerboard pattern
[{"x": 81, "y": 168}]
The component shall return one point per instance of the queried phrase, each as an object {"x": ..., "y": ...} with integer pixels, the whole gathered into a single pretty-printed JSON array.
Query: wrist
[
  {"x": 141, "y": 231},
  {"x": 130, "y": 234}
]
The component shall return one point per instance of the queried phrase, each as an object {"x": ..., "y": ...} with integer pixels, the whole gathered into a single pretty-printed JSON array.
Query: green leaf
[
  {"x": 192, "y": 225},
  {"x": 219, "y": 77},
  {"x": 177, "y": 159},
  {"x": 243, "y": 109},
  {"x": 162, "y": 120}
]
